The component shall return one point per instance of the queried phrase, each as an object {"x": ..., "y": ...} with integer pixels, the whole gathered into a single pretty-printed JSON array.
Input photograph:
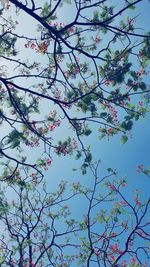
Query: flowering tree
[
  {"x": 78, "y": 70},
  {"x": 70, "y": 73},
  {"x": 43, "y": 229}
]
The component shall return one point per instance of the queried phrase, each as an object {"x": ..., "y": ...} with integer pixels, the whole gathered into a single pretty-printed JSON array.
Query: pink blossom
[
  {"x": 113, "y": 188},
  {"x": 123, "y": 203},
  {"x": 140, "y": 103},
  {"x": 48, "y": 161}
]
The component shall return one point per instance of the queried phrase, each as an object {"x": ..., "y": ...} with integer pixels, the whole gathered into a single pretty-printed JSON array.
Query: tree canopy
[
  {"x": 68, "y": 68},
  {"x": 87, "y": 69},
  {"x": 114, "y": 235}
]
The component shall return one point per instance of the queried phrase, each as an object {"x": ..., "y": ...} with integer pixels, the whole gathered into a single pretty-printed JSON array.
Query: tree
[
  {"x": 87, "y": 69},
  {"x": 42, "y": 228},
  {"x": 70, "y": 73}
]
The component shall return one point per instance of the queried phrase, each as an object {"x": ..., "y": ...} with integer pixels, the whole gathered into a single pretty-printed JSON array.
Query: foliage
[
  {"x": 44, "y": 229},
  {"x": 59, "y": 82},
  {"x": 88, "y": 69}
]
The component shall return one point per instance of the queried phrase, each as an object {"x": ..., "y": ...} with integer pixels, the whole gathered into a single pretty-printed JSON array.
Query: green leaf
[
  {"x": 109, "y": 169},
  {"x": 142, "y": 85},
  {"x": 87, "y": 132},
  {"x": 132, "y": 7},
  {"x": 78, "y": 155},
  {"x": 22, "y": 183},
  {"x": 127, "y": 125},
  {"x": 103, "y": 114},
  {"x": 1, "y": 259},
  {"x": 124, "y": 139}
]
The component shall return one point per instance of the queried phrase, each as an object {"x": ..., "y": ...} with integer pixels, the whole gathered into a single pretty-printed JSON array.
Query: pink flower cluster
[
  {"x": 56, "y": 24},
  {"x": 115, "y": 249},
  {"x": 139, "y": 73},
  {"x": 41, "y": 48},
  {"x": 48, "y": 161},
  {"x": 73, "y": 144},
  {"x": 142, "y": 233},
  {"x": 110, "y": 131},
  {"x": 139, "y": 168},
  {"x": 137, "y": 200},
  {"x": 123, "y": 203},
  {"x": 31, "y": 45},
  {"x": 55, "y": 124},
  {"x": 112, "y": 187},
  {"x": 113, "y": 113}
]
